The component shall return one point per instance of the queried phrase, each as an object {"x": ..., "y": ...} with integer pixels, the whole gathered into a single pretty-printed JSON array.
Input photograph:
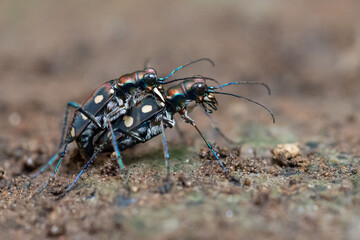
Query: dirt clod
[
  {"x": 286, "y": 151},
  {"x": 247, "y": 182},
  {"x": 184, "y": 181},
  {"x": 289, "y": 155}
]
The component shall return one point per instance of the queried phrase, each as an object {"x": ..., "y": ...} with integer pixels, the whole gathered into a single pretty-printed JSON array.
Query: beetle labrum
[{"x": 133, "y": 109}]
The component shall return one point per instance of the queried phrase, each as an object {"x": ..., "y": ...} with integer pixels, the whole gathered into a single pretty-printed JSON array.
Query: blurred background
[{"x": 307, "y": 51}]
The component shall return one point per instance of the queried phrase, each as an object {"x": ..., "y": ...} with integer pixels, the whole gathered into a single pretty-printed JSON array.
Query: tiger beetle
[{"x": 133, "y": 109}]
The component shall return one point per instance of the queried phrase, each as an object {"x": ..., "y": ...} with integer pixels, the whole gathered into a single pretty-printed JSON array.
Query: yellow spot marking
[
  {"x": 162, "y": 104},
  {"x": 73, "y": 132},
  {"x": 146, "y": 108},
  {"x": 83, "y": 116},
  {"x": 128, "y": 121},
  {"x": 112, "y": 91},
  {"x": 98, "y": 99}
]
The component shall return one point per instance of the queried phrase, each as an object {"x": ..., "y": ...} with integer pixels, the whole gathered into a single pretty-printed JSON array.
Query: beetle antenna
[
  {"x": 182, "y": 79},
  {"x": 250, "y": 100},
  {"x": 212, "y": 79},
  {"x": 244, "y": 82},
  {"x": 187, "y": 64},
  {"x": 176, "y": 80}
]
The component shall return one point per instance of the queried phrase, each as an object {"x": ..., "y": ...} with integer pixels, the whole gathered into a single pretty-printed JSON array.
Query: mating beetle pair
[{"x": 133, "y": 109}]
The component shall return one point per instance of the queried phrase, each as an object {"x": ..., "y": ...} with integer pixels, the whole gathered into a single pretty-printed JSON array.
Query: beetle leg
[
  {"x": 186, "y": 117},
  {"x": 52, "y": 160},
  {"x": 117, "y": 151},
  {"x": 115, "y": 113},
  {"x": 116, "y": 148},
  {"x": 132, "y": 134},
  {"x": 67, "y": 141},
  {"x": 165, "y": 188},
  {"x": 115, "y": 108},
  {"x": 91, "y": 117},
  {"x": 62, "y": 155},
  {"x": 232, "y": 178},
  {"x": 43, "y": 168},
  {"x": 97, "y": 150}
]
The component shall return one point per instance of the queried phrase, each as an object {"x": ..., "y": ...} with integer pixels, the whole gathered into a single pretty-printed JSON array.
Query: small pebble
[
  {"x": 286, "y": 151},
  {"x": 56, "y": 230},
  {"x": 134, "y": 189},
  {"x": 247, "y": 182},
  {"x": 14, "y": 119},
  {"x": 229, "y": 214},
  {"x": 292, "y": 182}
]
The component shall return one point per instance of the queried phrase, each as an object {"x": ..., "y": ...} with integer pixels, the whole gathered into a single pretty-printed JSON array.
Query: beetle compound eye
[
  {"x": 199, "y": 88},
  {"x": 150, "y": 78}
]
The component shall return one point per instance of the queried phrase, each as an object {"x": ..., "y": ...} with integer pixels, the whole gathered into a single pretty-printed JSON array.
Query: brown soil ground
[{"x": 307, "y": 51}]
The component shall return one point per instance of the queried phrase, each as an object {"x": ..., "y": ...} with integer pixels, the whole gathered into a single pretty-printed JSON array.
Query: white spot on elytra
[
  {"x": 146, "y": 108},
  {"x": 98, "y": 99},
  {"x": 128, "y": 121},
  {"x": 112, "y": 91}
]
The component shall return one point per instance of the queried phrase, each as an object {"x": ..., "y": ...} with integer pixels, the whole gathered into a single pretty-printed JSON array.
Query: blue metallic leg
[
  {"x": 52, "y": 160},
  {"x": 232, "y": 178},
  {"x": 119, "y": 160},
  {"x": 57, "y": 167},
  {"x": 43, "y": 168},
  {"x": 167, "y": 161},
  {"x": 70, "y": 104},
  {"x": 67, "y": 141},
  {"x": 116, "y": 148},
  {"x": 97, "y": 150}
]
